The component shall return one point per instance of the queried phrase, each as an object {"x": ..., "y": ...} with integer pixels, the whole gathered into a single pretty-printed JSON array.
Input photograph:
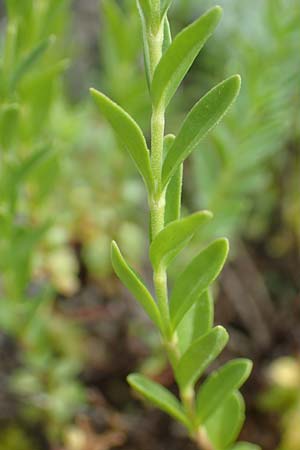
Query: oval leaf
[
  {"x": 196, "y": 322},
  {"x": 134, "y": 284},
  {"x": 179, "y": 57},
  {"x": 224, "y": 426},
  {"x": 201, "y": 119},
  {"x": 129, "y": 134},
  {"x": 173, "y": 238},
  {"x": 220, "y": 385},
  {"x": 159, "y": 396},
  {"x": 196, "y": 278},
  {"x": 199, "y": 355}
]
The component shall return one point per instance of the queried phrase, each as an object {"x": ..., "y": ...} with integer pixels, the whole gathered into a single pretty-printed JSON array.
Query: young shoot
[{"x": 212, "y": 413}]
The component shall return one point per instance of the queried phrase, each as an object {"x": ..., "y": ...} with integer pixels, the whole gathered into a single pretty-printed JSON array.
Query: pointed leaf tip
[
  {"x": 158, "y": 396},
  {"x": 202, "y": 118},
  {"x": 134, "y": 284},
  {"x": 128, "y": 133},
  {"x": 180, "y": 55}
]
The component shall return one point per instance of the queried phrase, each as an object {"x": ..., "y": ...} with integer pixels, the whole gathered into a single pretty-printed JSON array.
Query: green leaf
[
  {"x": 29, "y": 61},
  {"x": 9, "y": 120},
  {"x": 196, "y": 278},
  {"x": 174, "y": 237},
  {"x": 134, "y": 284},
  {"x": 199, "y": 355},
  {"x": 165, "y": 6},
  {"x": 245, "y": 446},
  {"x": 167, "y": 35},
  {"x": 158, "y": 396},
  {"x": 144, "y": 8},
  {"x": 129, "y": 134},
  {"x": 201, "y": 119},
  {"x": 145, "y": 12},
  {"x": 179, "y": 57},
  {"x": 220, "y": 385},
  {"x": 196, "y": 322},
  {"x": 224, "y": 426},
  {"x": 173, "y": 194}
]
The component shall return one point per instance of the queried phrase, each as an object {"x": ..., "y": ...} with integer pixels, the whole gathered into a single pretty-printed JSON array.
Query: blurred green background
[{"x": 69, "y": 333}]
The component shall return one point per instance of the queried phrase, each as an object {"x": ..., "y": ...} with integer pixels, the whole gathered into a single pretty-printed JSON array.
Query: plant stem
[{"x": 157, "y": 206}]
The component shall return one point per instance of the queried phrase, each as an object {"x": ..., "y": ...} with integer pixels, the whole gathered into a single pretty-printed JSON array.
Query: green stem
[{"x": 157, "y": 205}]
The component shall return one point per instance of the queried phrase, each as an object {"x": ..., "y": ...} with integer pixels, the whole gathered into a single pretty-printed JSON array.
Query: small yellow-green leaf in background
[
  {"x": 205, "y": 115},
  {"x": 224, "y": 426},
  {"x": 29, "y": 61},
  {"x": 9, "y": 121},
  {"x": 158, "y": 396},
  {"x": 128, "y": 132},
  {"x": 179, "y": 57},
  {"x": 196, "y": 322},
  {"x": 174, "y": 237},
  {"x": 199, "y": 355},
  {"x": 219, "y": 385},
  {"x": 196, "y": 278},
  {"x": 134, "y": 284}
]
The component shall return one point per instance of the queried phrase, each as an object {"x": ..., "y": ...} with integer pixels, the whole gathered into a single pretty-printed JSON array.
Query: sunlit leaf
[
  {"x": 174, "y": 237},
  {"x": 200, "y": 120},
  {"x": 129, "y": 134},
  {"x": 158, "y": 396},
  {"x": 179, "y": 57},
  {"x": 134, "y": 284}
]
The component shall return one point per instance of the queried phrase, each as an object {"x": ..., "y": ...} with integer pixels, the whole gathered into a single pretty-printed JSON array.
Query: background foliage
[{"x": 69, "y": 334}]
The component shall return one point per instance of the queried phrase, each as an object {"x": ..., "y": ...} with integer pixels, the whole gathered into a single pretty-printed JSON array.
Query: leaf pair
[
  {"x": 224, "y": 423},
  {"x": 168, "y": 75}
]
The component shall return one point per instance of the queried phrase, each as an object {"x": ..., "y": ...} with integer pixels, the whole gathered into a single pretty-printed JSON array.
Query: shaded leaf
[
  {"x": 179, "y": 57},
  {"x": 196, "y": 322},
  {"x": 165, "y": 6},
  {"x": 196, "y": 278},
  {"x": 219, "y": 385},
  {"x": 144, "y": 11},
  {"x": 173, "y": 194},
  {"x": 158, "y": 396},
  {"x": 174, "y": 237},
  {"x": 199, "y": 355},
  {"x": 167, "y": 35},
  {"x": 129, "y": 134},
  {"x": 224, "y": 426},
  {"x": 134, "y": 284},
  {"x": 200, "y": 120}
]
